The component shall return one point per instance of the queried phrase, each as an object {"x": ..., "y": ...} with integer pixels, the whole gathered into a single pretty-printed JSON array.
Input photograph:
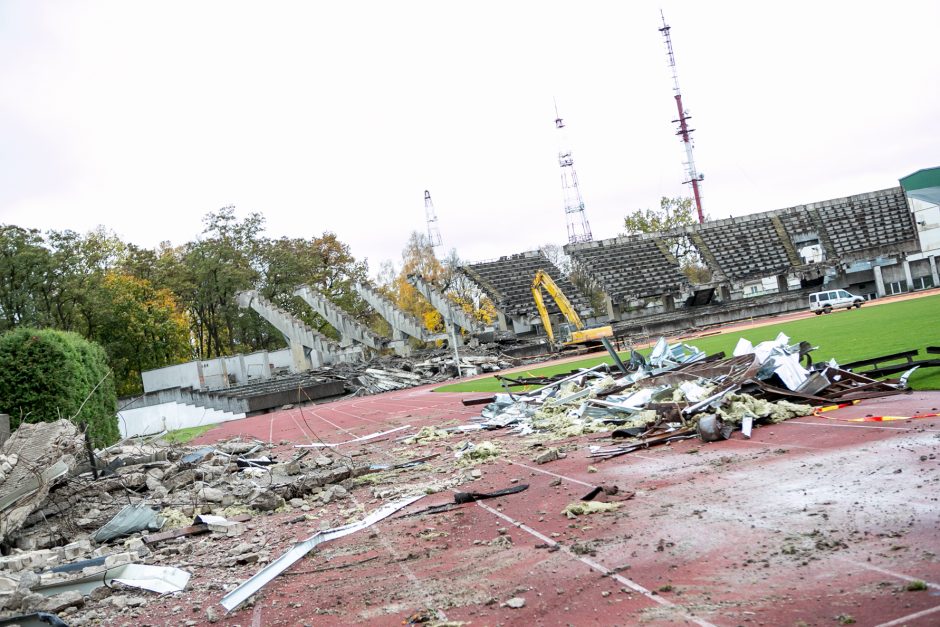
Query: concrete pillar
[
  {"x": 725, "y": 291},
  {"x": 443, "y": 305},
  {"x": 266, "y": 368},
  {"x": 609, "y": 304},
  {"x": 455, "y": 334},
  {"x": 224, "y": 367},
  {"x": 933, "y": 270},
  {"x": 199, "y": 375},
  {"x": 298, "y": 359},
  {"x": 669, "y": 302},
  {"x": 782, "y": 286},
  {"x": 401, "y": 347},
  {"x": 242, "y": 370},
  {"x": 907, "y": 275},
  {"x": 501, "y": 321},
  {"x": 879, "y": 282}
]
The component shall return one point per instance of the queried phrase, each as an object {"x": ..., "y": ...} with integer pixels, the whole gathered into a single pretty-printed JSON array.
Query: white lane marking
[
  {"x": 316, "y": 415},
  {"x": 546, "y": 472},
  {"x": 768, "y": 444},
  {"x": 904, "y": 619},
  {"x": 831, "y": 424},
  {"x": 647, "y": 457},
  {"x": 405, "y": 569},
  {"x": 890, "y": 573},
  {"x": 302, "y": 430},
  {"x": 419, "y": 408},
  {"x": 356, "y": 416},
  {"x": 598, "y": 567}
]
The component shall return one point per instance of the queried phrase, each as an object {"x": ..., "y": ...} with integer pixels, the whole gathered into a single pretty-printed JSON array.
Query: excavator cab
[{"x": 564, "y": 332}]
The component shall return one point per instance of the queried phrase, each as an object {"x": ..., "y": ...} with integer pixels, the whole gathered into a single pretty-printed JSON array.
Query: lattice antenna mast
[
  {"x": 434, "y": 233},
  {"x": 578, "y": 228},
  {"x": 692, "y": 175}
]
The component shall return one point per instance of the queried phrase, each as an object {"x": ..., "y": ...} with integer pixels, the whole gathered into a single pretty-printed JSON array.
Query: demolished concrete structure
[
  {"x": 308, "y": 347},
  {"x": 349, "y": 329},
  {"x": 54, "y": 527},
  {"x": 180, "y": 407},
  {"x": 31, "y": 461},
  {"x": 473, "y": 501},
  {"x": 451, "y": 313},
  {"x": 403, "y": 325}
]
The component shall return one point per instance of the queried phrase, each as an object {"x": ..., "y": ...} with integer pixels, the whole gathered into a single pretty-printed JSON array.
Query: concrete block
[
  {"x": 26, "y": 543},
  {"x": 40, "y": 559},
  {"x": 212, "y": 495},
  {"x": 231, "y": 529},
  {"x": 134, "y": 544},
  {"x": 118, "y": 559},
  {"x": 12, "y": 563},
  {"x": 74, "y": 550}
]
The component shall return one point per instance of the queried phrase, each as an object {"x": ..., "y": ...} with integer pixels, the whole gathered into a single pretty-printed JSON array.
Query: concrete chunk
[
  {"x": 212, "y": 495},
  {"x": 50, "y": 447},
  {"x": 547, "y": 456},
  {"x": 59, "y": 602},
  {"x": 118, "y": 559}
]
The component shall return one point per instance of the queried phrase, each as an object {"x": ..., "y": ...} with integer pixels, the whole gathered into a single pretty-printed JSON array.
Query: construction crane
[{"x": 579, "y": 334}]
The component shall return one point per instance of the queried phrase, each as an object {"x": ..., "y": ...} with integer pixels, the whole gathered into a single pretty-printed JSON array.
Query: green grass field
[
  {"x": 182, "y": 436},
  {"x": 845, "y": 335}
]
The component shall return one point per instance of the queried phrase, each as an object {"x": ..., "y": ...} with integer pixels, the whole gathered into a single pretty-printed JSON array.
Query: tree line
[{"x": 150, "y": 308}]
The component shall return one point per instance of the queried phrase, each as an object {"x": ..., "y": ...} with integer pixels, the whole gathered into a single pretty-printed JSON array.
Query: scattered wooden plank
[
  {"x": 467, "y": 402},
  {"x": 191, "y": 530}
]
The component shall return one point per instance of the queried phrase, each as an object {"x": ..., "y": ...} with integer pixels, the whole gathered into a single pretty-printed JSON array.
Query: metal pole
[{"x": 453, "y": 335}]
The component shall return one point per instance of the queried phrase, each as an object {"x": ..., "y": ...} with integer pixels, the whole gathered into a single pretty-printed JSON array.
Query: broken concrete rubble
[
  {"x": 215, "y": 499},
  {"x": 665, "y": 398},
  {"x": 144, "y": 486},
  {"x": 37, "y": 456},
  {"x": 547, "y": 456},
  {"x": 395, "y": 373}
]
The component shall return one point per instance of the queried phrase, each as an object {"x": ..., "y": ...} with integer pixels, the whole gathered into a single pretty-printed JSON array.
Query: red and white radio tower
[{"x": 685, "y": 132}]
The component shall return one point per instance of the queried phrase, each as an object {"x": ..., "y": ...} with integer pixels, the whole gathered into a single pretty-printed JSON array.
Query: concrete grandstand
[
  {"x": 761, "y": 264},
  {"x": 874, "y": 244}
]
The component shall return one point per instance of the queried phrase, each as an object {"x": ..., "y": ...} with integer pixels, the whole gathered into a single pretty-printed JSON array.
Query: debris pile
[
  {"x": 77, "y": 528},
  {"x": 86, "y": 534},
  {"x": 679, "y": 393},
  {"x": 395, "y": 373},
  {"x": 34, "y": 457}
]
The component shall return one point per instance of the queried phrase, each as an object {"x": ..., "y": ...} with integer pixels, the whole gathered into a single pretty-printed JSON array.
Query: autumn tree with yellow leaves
[{"x": 418, "y": 258}]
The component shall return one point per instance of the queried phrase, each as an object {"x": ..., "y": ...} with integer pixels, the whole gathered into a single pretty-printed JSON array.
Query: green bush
[{"x": 46, "y": 375}]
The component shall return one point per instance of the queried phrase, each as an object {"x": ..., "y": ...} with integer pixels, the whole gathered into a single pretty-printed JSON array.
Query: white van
[{"x": 825, "y": 302}]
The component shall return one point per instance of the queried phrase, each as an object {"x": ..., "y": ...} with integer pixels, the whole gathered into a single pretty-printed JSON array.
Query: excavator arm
[{"x": 542, "y": 279}]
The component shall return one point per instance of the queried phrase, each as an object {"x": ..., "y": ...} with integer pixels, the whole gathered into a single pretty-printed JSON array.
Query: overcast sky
[{"x": 144, "y": 116}]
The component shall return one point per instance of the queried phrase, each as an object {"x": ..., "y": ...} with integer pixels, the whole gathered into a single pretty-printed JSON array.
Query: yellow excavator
[{"x": 569, "y": 336}]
